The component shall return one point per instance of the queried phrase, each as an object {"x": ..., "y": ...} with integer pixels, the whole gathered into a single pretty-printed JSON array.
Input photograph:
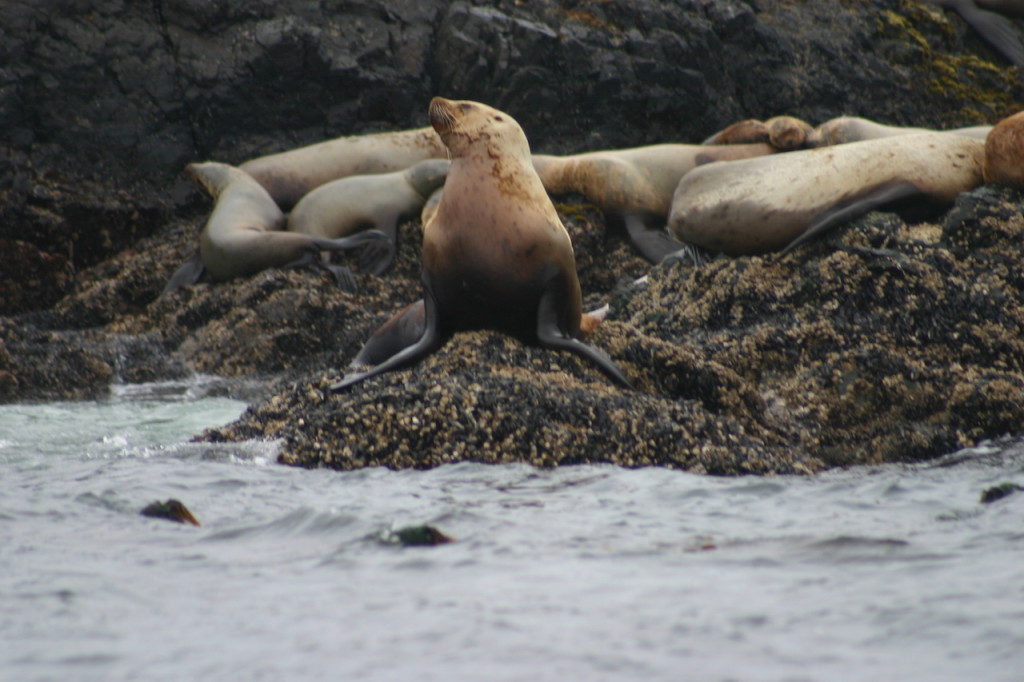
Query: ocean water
[{"x": 579, "y": 573}]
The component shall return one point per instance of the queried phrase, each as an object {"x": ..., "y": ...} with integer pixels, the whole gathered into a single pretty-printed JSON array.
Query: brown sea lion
[
  {"x": 495, "y": 254},
  {"x": 243, "y": 234},
  {"x": 996, "y": 30},
  {"x": 342, "y": 207},
  {"x": 1004, "y": 152},
  {"x": 844, "y": 129},
  {"x": 770, "y": 203},
  {"x": 636, "y": 185},
  {"x": 290, "y": 175},
  {"x": 785, "y": 133}
]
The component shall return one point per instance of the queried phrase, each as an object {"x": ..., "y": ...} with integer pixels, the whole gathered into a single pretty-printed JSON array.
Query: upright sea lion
[
  {"x": 342, "y": 207},
  {"x": 495, "y": 254},
  {"x": 844, "y": 129},
  {"x": 290, "y": 175},
  {"x": 1004, "y": 152},
  {"x": 785, "y": 133},
  {"x": 996, "y": 30},
  {"x": 636, "y": 185},
  {"x": 243, "y": 233},
  {"x": 766, "y": 204}
]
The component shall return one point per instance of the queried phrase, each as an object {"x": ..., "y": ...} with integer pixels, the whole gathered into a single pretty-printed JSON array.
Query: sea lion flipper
[
  {"x": 401, "y": 331},
  {"x": 343, "y": 277},
  {"x": 432, "y": 339},
  {"x": 189, "y": 273},
  {"x": 654, "y": 244},
  {"x": 857, "y": 206},
  {"x": 377, "y": 256},
  {"x": 550, "y": 334},
  {"x": 995, "y": 29}
]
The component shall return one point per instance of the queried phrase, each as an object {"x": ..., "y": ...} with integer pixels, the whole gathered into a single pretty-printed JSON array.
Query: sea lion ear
[{"x": 498, "y": 118}]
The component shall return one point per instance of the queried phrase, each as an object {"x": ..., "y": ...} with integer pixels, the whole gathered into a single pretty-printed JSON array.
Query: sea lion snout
[{"x": 441, "y": 115}]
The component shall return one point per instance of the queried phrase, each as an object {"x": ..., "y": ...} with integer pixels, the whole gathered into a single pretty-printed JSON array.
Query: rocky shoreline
[{"x": 887, "y": 340}]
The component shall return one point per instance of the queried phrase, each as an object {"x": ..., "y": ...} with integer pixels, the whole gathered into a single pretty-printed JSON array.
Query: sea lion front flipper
[
  {"x": 653, "y": 243},
  {"x": 995, "y": 29},
  {"x": 398, "y": 333},
  {"x": 189, "y": 273},
  {"x": 857, "y": 206},
  {"x": 550, "y": 334},
  {"x": 432, "y": 339}
]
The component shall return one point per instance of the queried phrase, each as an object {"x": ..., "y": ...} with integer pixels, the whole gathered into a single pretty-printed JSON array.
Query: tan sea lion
[
  {"x": 290, "y": 175},
  {"x": 1004, "y": 152},
  {"x": 636, "y": 185},
  {"x": 342, "y": 207},
  {"x": 495, "y": 254},
  {"x": 785, "y": 133},
  {"x": 775, "y": 202},
  {"x": 844, "y": 129},
  {"x": 243, "y": 234}
]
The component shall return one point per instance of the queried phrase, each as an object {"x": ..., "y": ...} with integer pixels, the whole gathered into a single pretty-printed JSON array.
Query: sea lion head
[
  {"x": 1004, "y": 152},
  {"x": 468, "y": 128}
]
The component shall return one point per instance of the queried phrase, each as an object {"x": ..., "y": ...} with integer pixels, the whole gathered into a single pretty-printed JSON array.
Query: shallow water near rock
[{"x": 589, "y": 572}]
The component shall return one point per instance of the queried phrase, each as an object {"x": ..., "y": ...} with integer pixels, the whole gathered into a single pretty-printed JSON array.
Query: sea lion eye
[
  {"x": 465, "y": 107},
  {"x": 498, "y": 118}
]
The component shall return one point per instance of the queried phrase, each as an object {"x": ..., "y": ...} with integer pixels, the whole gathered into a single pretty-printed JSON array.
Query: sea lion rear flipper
[
  {"x": 378, "y": 255},
  {"x": 550, "y": 334},
  {"x": 432, "y": 339},
  {"x": 343, "y": 277},
  {"x": 189, "y": 273},
  {"x": 654, "y": 244},
  {"x": 379, "y": 245},
  {"x": 995, "y": 29},
  {"x": 857, "y": 206}
]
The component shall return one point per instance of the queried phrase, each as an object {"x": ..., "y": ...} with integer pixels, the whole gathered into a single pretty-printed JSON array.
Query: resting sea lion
[
  {"x": 636, "y": 185},
  {"x": 785, "y": 133},
  {"x": 290, "y": 175},
  {"x": 495, "y": 254},
  {"x": 765, "y": 204},
  {"x": 1004, "y": 152},
  {"x": 243, "y": 234},
  {"x": 996, "y": 30},
  {"x": 844, "y": 129},
  {"x": 342, "y": 207}
]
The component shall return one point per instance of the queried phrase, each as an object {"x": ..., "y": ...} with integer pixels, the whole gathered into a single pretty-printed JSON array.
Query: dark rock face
[{"x": 884, "y": 341}]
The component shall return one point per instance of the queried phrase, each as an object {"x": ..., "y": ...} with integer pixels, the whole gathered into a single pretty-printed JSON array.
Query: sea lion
[
  {"x": 765, "y": 204},
  {"x": 785, "y": 133},
  {"x": 636, "y": 185},
  {"x": 290, "y": 175},
  {"x": 172, "y": 510},
  {"x": 1004, "y": 152},
  {"x": 495, "y": 254},
  {"x": 844, "y": 129},
  {"x": 342, "y": 207},
  {"x": 243, "y": 234},
  {"x": 997, "y": 31}
]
